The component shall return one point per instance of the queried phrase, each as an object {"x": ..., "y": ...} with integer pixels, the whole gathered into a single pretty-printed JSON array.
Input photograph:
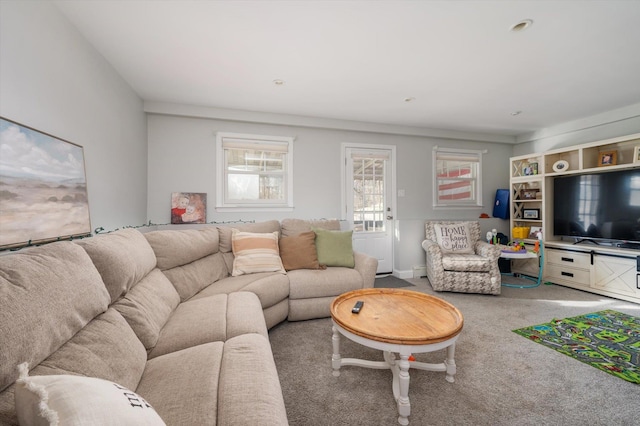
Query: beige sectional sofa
[{"x": 159, "y": 315}]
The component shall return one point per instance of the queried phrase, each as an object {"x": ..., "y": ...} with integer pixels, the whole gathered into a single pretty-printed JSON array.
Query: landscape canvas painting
[{"x": 43, "y": 187}]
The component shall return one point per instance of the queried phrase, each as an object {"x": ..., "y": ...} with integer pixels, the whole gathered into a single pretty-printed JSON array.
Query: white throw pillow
[
  {"x": 255, "y": 252},
  {"x": 67, "y": 400},
  {"x": 454, "y": 238}
]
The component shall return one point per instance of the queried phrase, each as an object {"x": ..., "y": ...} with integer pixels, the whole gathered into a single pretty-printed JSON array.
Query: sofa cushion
[
  {"x": 466, "y": 262},
  {"x": 148, "y": 306},
  {"x": 189, "y": 279},
  {"x": 306, "y": 283},
  {"x": 292, "y": 227},
  {"x": 106, "y": 348},
  {"x": 123, "y": 258},
  {"x": 219, "y": 318},
  {"x": 335, "y": 248},
  {"x": 260, "y": 227},
  {"x": 255, "y": 252},
  {"x": 183, "y": 386},
  {"x": 250, "y": 391},
  {"x": 191, "y": 259},
  {"x": 77, "y": 400},
  {"x": 47, "y": 294},
  {"x": 454, "y": 238},
  {"x": 180, "y": 247},
  {"x": 271, "y": 288},
  {"x": 299, "y": 251}
]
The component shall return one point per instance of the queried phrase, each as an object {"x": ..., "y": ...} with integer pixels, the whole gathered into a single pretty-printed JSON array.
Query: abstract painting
[
  {"x": 188, "y": 207},
  {"x": 43, "y": 187}
]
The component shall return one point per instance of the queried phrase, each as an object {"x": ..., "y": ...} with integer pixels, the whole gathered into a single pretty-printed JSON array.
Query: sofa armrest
[
  {"x": 485, "y": 249},
  {"x": 367, "y": 266}
]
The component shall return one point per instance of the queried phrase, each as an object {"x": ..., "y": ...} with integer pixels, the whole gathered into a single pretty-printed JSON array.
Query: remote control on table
[{"x": 357, "y": 307}]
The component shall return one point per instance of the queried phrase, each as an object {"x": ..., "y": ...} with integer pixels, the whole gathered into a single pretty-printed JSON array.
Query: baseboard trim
[{"x": 403, "y": 274}]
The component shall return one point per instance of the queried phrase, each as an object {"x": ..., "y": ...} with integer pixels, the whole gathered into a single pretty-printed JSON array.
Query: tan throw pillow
[
  {"x": 255, "y": 252},
  {"x": 78, "y": 400},
  {"x": 299, "y": 251},
  {"x": 454, "y": 238}
]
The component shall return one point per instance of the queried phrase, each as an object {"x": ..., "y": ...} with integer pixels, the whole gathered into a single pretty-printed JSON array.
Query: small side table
[{"x": 527, "y": 255}]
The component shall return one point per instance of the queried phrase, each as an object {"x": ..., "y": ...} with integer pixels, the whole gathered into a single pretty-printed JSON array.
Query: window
[
  {"x": 457, "y": 181},
  {"x": 254, "y": 172}
]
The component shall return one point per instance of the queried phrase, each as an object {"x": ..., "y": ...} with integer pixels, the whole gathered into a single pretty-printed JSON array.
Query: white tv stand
[{"x": 607, "y": 270}]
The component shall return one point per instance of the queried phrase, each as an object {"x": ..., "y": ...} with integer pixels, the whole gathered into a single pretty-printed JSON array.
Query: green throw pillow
[{"x": 335, "y": 248}]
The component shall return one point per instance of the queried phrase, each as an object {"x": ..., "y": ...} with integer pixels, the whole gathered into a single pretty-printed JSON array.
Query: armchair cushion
[
  {"x": 466, "y": 263},
  {"x": 454, "y": 238}
]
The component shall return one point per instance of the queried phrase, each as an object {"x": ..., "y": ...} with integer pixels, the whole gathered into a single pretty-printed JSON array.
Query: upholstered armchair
[{"x": 458, "y": 260}]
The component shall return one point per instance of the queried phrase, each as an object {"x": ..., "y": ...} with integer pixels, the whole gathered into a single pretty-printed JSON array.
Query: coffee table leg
[
  {"x": 450, "y": 363},
  {"x": 404, "y": 406},
  {"x": 336, "y": 361}
]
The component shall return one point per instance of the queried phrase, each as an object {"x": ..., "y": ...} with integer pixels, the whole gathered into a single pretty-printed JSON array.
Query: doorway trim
[{"x": 343, "y": 197}]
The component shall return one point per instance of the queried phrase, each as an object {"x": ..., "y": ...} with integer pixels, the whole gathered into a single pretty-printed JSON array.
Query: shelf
[
  {"x": 527, "y": 166},
  {"x": 581, "y": 159},
  {"x": 572, "y": 157}
]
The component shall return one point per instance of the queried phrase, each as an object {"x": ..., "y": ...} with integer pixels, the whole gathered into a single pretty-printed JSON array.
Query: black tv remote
[{"x": 357, "y": 307}]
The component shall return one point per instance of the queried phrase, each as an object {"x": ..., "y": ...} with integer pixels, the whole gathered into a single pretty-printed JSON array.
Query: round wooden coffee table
[{"x": 397, "y": 321}]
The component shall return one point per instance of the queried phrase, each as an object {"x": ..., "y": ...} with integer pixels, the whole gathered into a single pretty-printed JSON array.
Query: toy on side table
[{"x": 515, "y": 247}]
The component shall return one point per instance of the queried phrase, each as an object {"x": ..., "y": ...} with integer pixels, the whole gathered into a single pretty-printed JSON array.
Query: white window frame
[
  {"x": 222, "y": 201},
  {"x": 472, "y": 155}
]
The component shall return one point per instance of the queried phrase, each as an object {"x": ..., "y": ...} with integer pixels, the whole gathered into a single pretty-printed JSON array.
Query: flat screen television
[{"x": 601, "y": 207}]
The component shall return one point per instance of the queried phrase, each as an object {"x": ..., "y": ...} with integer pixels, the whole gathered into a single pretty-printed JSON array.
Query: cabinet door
[{"x": 616, "y": 275}]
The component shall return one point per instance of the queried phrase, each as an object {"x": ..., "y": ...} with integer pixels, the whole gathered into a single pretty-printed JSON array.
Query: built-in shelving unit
[
  {"x": 527, "y": 193},
  {"x": 611, "y": 271}
]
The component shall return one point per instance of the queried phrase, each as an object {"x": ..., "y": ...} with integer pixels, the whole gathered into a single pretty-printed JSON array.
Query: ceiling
[{"x": 360, "y": 60}]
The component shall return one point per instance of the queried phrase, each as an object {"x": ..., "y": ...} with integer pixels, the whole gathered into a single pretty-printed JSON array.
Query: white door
[{"x": 368, "y": 196}]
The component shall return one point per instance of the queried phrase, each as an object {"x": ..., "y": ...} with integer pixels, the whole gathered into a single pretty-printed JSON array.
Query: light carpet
[{"x": 502, "y": 379}]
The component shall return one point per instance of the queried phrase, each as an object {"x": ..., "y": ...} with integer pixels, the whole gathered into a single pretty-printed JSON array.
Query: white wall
[
  {"x": 51, "y": 79},
  {"x": 611, "y": 124},
  {"x": 182, "y": 158}
]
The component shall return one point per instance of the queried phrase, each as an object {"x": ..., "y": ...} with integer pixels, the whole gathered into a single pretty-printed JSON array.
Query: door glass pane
[{"x": 368, "y": 195}]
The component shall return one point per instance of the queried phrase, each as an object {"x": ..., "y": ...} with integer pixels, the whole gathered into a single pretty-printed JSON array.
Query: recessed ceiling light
[
  {"x": 514, "y": 113},
  {"x": 409, "y": 99},
  {"x": 521, "y": 26},
  {"x": 278, "y": 82}
]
